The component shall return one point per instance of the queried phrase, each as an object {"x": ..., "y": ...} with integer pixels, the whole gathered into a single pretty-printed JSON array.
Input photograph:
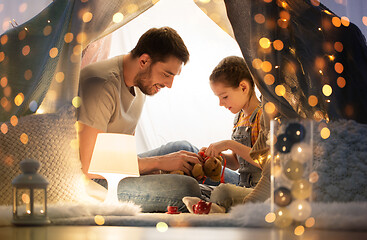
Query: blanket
[{"x": 348, "y": 216}]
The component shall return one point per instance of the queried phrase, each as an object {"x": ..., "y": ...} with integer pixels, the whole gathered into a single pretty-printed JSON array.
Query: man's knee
[{"x": 184, "y": 145}]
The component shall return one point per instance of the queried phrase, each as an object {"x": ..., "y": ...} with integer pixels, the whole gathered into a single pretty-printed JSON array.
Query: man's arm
[
  {"x": 181, "y": 160},
  {"x": 87, "y": 140}
]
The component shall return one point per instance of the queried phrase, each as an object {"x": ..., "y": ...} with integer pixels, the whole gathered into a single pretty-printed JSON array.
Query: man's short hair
[{"x": 161, "y": 43}]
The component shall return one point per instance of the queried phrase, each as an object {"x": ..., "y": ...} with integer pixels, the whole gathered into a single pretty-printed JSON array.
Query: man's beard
[{"x": 144, "y": 82}]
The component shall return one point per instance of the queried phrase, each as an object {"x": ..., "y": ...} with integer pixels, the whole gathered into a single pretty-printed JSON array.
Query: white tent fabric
[{"x": 189, "y": 110}]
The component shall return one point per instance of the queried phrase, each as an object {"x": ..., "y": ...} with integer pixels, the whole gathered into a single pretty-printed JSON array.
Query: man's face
[{"x": 155, "y": 76}]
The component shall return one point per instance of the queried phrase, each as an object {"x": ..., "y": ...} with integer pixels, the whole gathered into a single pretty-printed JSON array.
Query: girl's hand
[{"x": 215, "y": 149}]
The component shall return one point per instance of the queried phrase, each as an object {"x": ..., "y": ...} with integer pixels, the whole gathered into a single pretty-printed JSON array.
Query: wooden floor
[{"x": 139, "y": 233}]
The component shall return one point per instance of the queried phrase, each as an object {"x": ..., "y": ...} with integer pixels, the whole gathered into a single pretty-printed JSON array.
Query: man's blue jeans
[
  {"x": 155, "y": 192},
  {"x": 230, "y": 176}
]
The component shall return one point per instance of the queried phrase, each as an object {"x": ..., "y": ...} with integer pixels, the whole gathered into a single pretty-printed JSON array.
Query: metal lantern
[{"x": 30, "y": 195}]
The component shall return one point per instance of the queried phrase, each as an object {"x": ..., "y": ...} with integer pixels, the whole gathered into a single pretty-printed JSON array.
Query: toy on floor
[
  {"x": 201, "y": 207},
  {"x": 190, "y": 202},
  {"x": 172, "y": 210},
  {"x": 222, "y": 198},
  {"x": 211, "y": 168}
]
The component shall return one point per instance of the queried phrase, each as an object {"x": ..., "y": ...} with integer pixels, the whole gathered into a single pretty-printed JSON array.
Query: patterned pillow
[{"x": 49, "y": 139}]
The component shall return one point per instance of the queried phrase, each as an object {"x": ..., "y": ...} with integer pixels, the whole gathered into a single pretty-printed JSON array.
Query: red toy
[
  {"x": 202, "y": 207},
  {"x": 172, "y": 210}
]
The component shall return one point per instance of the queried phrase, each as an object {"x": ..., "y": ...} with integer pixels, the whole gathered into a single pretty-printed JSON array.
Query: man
[{"x": 113, "y": 93}]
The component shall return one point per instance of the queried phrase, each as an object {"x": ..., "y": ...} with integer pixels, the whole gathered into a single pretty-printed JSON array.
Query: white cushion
[{"x": 50, "y": 139}]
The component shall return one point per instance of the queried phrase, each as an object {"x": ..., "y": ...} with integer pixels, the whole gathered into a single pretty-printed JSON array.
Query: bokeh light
[
  {"x": 345, "y": 21},
  {"x": 364, "y": 20},
  {"x": 256, "y": 63},
  {"x": 99, "y": 220},
  {"x": 118, "y": 17},
  {"x": 47, "y": 30},
  {"x": 3, "y": 82},
  {"x": 331, "y": 57},
  {"x": 270, "y": 217},
  {"x": 315, "y": 2},
  {"x": 68, "y": 37},
  {"x": 266, "y": 66},
  {"x": 53, "y": 52},
  {"x": 59, "y": 77},
  {"x": 131, "y": 8},
  {"x": 81, "y": 37},
  {"x": 283, "y": 23},
  {"x": 313, "y": 177},
  {"x": 77, "y": 101},
  {"x": 22, "y": 34},
  {"x": 25, "y": 50},
  {"x": 4, "y": 39},
  {"x": 4, "y": 128},
  {"x": 264, "y": 42},
  {"x": 87, "y": 17},
  {"x": 7, "y": 91},
  {"x": 18, "y": 100},
  {"x": 162, "y": 227},
  {"x": 2, "y": 56},
  {"x": 312, "y": 100},
  {"x": 338, "y": 46},
  {"x": 23, "y": 7},
  {"x": 280, "y": 90},
  {"x": 319, "y": 63},
  {"x": 325, "y": 133},
  {"x": 284, "y": 15},
  {"x": 341, "y": 82},
  {"x": 269, "y": 108},
  {"x": 299, "y": 230},
  {"x": 269, "y": 79},
  {"x": 336, "y": 21},
  {"x": 13, "y": 120},
  {"x": 310, "y": 222},
  {"x": 339, "y": 68},
  {"x": 278, "y": 45},
  {"x": 77, "y": 50},
  {"x": 24, "y": 138},
  {"x": 28, "y": 74},
  {"x": 327, "y": 90},
  {"x": 259, "y": 18}
]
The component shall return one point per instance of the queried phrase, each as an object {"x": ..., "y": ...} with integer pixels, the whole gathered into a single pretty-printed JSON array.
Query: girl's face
[{"x": 234, "y": 99}]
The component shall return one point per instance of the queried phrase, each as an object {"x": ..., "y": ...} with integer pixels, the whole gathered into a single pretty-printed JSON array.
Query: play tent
[
  {"x": 305, "y": 60},
  {"x": 41, "y": 59}
]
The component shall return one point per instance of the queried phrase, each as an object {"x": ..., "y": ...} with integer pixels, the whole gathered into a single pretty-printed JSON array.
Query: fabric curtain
[
  {"x": 40, "y": 59},
  {"x": 306, "y": 61}
]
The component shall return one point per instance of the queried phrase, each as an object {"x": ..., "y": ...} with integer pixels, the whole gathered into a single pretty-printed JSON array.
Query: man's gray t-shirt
[{"x": 107, "y": 103}]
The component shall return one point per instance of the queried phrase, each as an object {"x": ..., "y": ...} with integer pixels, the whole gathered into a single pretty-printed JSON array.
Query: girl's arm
[
  {"x": 215, "y": 149},
  {"x": 232, "y": 162}
]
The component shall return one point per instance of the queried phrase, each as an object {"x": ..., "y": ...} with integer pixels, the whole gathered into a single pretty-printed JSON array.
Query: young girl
[{"x": 232, "y": 83}]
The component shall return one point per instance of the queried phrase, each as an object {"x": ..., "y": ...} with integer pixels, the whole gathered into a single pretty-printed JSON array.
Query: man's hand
[{"x": 182, "y": 160}]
